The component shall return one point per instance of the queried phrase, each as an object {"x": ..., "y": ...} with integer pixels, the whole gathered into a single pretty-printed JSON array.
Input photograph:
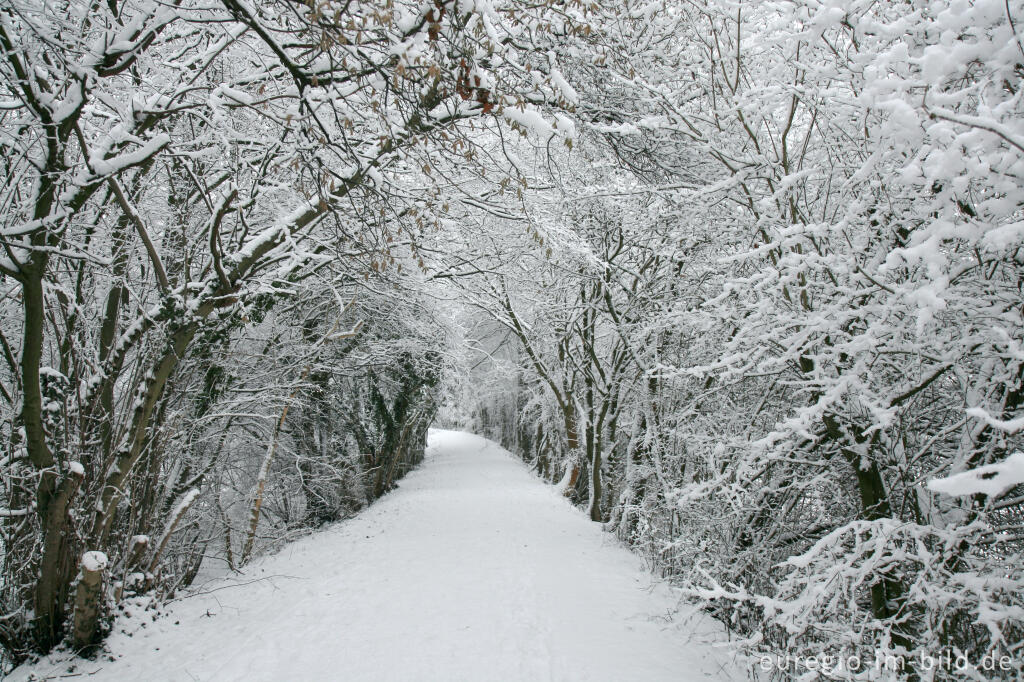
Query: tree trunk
[
  {"x": 595, "y": 476},
  {"x": 56, "y": 566},
  {"x": 887, "y": 593}
]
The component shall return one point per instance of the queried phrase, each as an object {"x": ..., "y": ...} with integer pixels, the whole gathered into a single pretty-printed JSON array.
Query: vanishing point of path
[{"x": 472, "y": 570}]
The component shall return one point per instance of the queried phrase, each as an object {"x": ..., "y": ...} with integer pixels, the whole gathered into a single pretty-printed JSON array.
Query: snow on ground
[{"x": 472, "y": 570}]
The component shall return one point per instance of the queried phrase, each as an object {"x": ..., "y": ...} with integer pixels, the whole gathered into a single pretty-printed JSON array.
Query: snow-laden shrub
[{"x": 947, "y": 601}]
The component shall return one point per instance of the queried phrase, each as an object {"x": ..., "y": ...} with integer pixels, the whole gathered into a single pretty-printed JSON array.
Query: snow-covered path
[{"x": 472, "y": 570}]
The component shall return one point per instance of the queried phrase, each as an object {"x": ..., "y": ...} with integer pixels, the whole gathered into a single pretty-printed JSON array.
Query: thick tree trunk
[
  {"x": 572, "y": 441},
  {"x": 33, "y": 304},
  {"x": 56, "y": 566},
  {"x": 887, "y": 593},
  {"x": 54, "y": 493}
]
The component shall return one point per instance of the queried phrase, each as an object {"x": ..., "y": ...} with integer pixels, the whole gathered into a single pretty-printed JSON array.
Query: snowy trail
[{"x": 472, "y": 570}]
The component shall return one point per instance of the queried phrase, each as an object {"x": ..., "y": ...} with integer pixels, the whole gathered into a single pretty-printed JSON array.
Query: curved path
[{"x": 472, "y": 570}]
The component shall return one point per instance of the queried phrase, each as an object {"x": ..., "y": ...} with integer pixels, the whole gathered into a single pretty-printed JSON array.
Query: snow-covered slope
[{"x": 472, "y": 570}]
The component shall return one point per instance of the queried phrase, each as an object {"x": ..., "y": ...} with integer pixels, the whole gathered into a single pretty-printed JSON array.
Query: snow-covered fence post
[
  {"x": 88, "y": 600},
  {"x": 136, "y": 549},
  {"x": 131, "y": 568}
]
